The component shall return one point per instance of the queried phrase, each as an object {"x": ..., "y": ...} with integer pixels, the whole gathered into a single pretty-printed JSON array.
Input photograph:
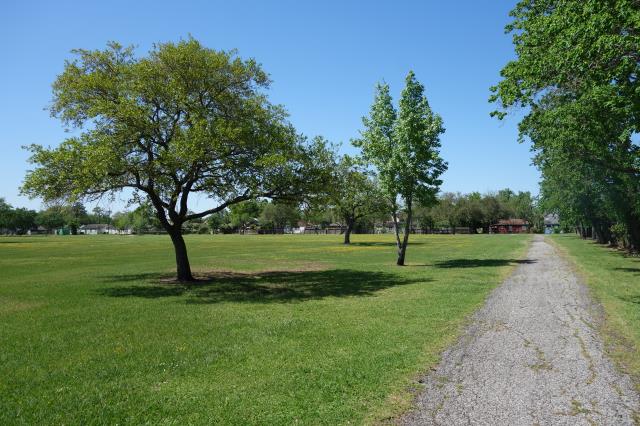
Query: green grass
[
  {"x": 614, "y": 280},
  {"x": 292, "y": 328}
]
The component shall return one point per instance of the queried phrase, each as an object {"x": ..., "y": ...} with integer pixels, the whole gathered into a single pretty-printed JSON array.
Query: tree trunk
[
  {"x": 396, "y": 230},
  {"x": 183, "y": 268},
  {"x": 347, "y": 232},
  {"x": 633, "y": 231},
  {"x": 405, "y": 240},
  {"x": 583, "y": 232}
]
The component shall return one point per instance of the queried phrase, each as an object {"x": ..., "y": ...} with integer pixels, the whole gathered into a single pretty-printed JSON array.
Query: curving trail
[{"x": 531, "y": 357}]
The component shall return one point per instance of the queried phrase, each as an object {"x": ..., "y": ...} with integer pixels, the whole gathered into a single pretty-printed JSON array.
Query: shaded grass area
[
  {"x": 614, "y": 280},
  {"x": 265, "y": 287},
  {"x": 280, "y": 329}
]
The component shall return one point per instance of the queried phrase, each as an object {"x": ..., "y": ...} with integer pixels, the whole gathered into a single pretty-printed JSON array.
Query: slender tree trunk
[
  {"x": 396, "y": 230},
  {"x": 405, "y": 240},
  {"x": 183, "y": 268}
]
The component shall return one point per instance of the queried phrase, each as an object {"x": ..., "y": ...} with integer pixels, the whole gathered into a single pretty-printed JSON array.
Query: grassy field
[
  {"x": 614, "y": 280},
  {"x": 291, "y": 329}
]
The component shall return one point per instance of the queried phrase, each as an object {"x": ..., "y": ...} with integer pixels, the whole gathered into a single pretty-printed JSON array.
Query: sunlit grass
[{"x": 292, "y": 328}]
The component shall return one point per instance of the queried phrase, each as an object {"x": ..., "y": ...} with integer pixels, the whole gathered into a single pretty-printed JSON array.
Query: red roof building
[{"x": 510, "y": 226}]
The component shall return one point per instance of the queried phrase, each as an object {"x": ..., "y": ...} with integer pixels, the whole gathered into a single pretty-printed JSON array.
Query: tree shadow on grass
[
  {"x": 635, "y": 271},
  {"x": 262, "y": 287},
  {"x": 382, "y": 243},
  {"x": 631, "y": 299},
  {"x": 27, "y": 240},
  {"x": 480, "y": 263}
]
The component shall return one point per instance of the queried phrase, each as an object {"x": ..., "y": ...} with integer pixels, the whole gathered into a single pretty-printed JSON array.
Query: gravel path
[{"x": 531, "y": 357}]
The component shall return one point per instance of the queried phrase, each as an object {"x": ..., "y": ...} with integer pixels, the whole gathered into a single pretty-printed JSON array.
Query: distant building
[
  {"x": 102, "y": 228},
  {"x": 510, "y": 226},
  {"x": 335, "y": 228},
  {"x": 551, "y": 223},
  {"x": 95, "y": 228},
  {"x": 38, "y": 231}
]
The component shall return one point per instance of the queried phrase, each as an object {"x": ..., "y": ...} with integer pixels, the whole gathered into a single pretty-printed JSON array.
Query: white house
[
  {"x": 102, "y": 228},
  {"x": 94, "y": 229}
]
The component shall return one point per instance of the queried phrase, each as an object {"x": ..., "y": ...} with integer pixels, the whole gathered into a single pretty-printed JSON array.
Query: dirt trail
[{"x": 532, "y": 356}]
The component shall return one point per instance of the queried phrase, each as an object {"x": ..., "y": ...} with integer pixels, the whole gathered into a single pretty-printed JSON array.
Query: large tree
[
  {"x": 576, "y": 76},
  {"x": 184, "y": 119},
  {"x": 404, "y": 148}
]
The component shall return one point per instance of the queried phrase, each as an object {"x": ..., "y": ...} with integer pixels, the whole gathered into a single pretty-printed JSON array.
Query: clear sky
[{"x": 324, "y": 58}]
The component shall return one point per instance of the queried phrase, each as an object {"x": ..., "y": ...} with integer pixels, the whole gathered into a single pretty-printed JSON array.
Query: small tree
[
  {"x": 217, "y": 221},
  {"x": 6, "y": 215},
  {"x": 51, "y": 218},
  {"x": 122, "y": 220},
  {"x": 183, "y": 119},
  {"x": 355, "y": 195},
  {"x": 404, "y": 148},
  {"x": 242, "y": 214},
  {"x": 449, "y": 211},
  {"x": 277, "y": 215}
]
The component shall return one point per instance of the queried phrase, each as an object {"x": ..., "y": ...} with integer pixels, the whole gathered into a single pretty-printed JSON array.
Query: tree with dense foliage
[
  {"x": 576, "y": 74},
  {"x": 16, "y": 220},
  {"x": 5, "y": 214},
  {"x": 278, "y": 215},
  {"x": 447, "y": 211},
  {"x": 216, "y": 221},
  {"x": 185, "y": 119},
  {"x": 241, "y": 215},
  {"x": 479, "y": 211},
  {"x": 142, "y": 219},
  {"x": 51, "y": 218},
  {"x": 404, "y": 148},
  {"x": 355, "y": 195}
]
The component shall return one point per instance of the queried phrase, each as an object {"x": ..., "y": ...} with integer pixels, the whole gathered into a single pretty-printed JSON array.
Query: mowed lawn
[
  {"x": 614, "y": 281},
  {"x": 293, "y": 328}
]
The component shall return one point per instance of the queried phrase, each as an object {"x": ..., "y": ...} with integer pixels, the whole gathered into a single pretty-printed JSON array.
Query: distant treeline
[{"x": 475, "y": 211}]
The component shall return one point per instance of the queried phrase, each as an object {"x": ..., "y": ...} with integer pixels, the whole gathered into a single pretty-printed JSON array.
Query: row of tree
[
  {"x": 576, "y": 75},
  {"x": 20, "y": 220},
  {"x": 356, "y": 205},
  {"x": 478, "y": 212}
]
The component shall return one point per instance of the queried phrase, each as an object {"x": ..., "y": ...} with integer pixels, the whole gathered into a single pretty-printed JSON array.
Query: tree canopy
[
  {"x": 576, "y": 76},
  {"x": 184, "y": 119},
  {"x": 355, "y": 195}
]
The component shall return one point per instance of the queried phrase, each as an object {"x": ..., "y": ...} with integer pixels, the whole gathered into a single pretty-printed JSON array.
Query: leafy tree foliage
[
  {"x": 217, "y": 220},
  {"x": 15, "y": 220},
  {"x": 404, "y": 148},
  {"x": 576, "y": 75},
  {"x": 479, "y": 212},
  {"x": 279, "y": 215},
  {"x": 243, "y": 214},
  {"x": 184, "y": 119},
  {"x": 141, "y": 220},
  {"x": 355, "y": 195}
]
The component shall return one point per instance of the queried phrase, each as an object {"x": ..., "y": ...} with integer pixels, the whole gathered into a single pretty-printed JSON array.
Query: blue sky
[{"x": 324, "y": 59}]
